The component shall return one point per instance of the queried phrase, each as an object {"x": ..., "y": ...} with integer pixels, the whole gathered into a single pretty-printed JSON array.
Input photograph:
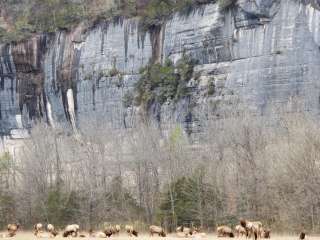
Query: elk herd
[
  {"x": 250, "y": 229},
  {"x": 245, "y": 228}
]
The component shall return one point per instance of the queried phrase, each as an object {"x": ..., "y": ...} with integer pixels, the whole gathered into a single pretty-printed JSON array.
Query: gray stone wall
[{"x": 263, "y": 54}]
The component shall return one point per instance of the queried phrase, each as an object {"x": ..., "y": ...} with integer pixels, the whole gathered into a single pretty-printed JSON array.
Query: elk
[
  {"x": 97, "y": 234},
  {"x": 158, "y": 230},
  {"x": 240, "y": 231},
  {"x": 117, "y": 228},
  {"x": 7, "y": 235},
  {"x": 224, "y": 231},
  {"x": 13, "y": 228},
  {"x": 131, "y": 231},
  {"x": 302, "y": 235},
  {"x": 72, "y": 230},
  {"x": 44, "y": 234},
  {"x": 185, "y": 230},
  {"x": 252, "y": 228},
  {"x": 265, "y": 233}
]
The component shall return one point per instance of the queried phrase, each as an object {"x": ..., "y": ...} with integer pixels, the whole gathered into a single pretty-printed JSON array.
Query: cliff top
[{"x": 19, "y": 19}]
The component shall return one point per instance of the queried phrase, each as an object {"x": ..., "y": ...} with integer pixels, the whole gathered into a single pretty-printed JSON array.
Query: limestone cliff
[{"x": 262, "y": 53}]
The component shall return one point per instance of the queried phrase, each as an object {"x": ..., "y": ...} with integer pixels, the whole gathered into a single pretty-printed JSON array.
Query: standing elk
[
  {"x": 112, "y": 230},
  {"x": 252, "y": 228},
  {"x": 302, "y": 235},
  {"x": 240, "y": 231},
  {"x": 71, "y": 230},
  {"x": 157, "y": 230},
  {"x": 37, "y": 228},
  {"x": 131, "y": 231},
  {"x": 51, "y": 229},
  {"x": 265, "y": 233},
  {"x": 117, "y": 228},
  {"x": 13, "y": 228},
  {"x": 224, "y": 231}
]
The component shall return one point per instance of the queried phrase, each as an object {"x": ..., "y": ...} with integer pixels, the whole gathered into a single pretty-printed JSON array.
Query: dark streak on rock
[{"x": 155, "y": 43}]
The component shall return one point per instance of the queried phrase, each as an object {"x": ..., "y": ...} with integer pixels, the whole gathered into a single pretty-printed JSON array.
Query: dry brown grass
[{"x": 29, "y": 236}]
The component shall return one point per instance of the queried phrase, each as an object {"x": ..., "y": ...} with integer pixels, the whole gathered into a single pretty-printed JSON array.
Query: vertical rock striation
[{"x": 263, "y": 54}]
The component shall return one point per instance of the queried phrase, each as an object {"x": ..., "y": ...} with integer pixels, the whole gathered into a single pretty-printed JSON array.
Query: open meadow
[{"x": 29, "y": 236}]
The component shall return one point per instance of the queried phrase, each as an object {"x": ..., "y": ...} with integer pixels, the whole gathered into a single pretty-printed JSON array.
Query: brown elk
[
  {"x": 302, "y": 235},
  {"x": 97, "y": 234},
  {"x": 240, "y": 231},
  {"x": 157, "y": 230},
  {"x": 252, "y": 228},
  {"x": 71, "y": 230},
  {"x": 7, "y": 235},
  {"x": 224, "y": 231},
  {"x": 131, "y": 231},
  {"x": 13, "y": 228},
  {"x": 186, "y": 231}
]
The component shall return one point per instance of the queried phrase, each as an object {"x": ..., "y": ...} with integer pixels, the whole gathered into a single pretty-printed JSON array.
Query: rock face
[{"x": 262, "y": 53}]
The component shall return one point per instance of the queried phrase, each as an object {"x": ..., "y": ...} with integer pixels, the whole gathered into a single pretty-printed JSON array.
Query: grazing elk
[
  {"x": 157, "y": 230},
  {"x": 44, "y": 234},
  {"x": 258, "y": 226},
  {"x": 302, "y": 236},
  {"x": 199, "y": 236},
  {"x": 185, "y": 230},
  {"x": 51, "y": 229},
  {"x": 109, "y": 230},
  {"x": 224, "y": 231},
  {"x": 13, "y": 228},
  {"x": 112, "y": 230},
  {"x": 182, "y": 235},
  {"x": 7, "y": 235},
  {"x": 71, "y": 230},
  {"x": 240, "y": 231},
  {"x": 117, "y": 229},
  {"x": 131, "y": 231},
  {"x": 38, "y": 228},
  {"x": 97, "y": 234},
  {"x": 265, "y": 233}
]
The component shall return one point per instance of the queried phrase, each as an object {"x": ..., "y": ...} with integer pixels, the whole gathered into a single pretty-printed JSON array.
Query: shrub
[
  {"x": 156, "y": 11},
  {"x": 160, "y": 83},
  {"x": 5, "y": 159},
  {"x": 28, "y": 17},
  {"x": 157, "y": 83},
  {"x": 128, "y": 99},
  {"x": 188, "y": 200},
  {"x": 7, "y": 207},
  {"x": 113, "y": 72},
  {"x": 224, "y": 4},
  {"x": 127, "y": 8},
  {"x": 62, "y": 15},
  {"x": 61, "y": 207}
]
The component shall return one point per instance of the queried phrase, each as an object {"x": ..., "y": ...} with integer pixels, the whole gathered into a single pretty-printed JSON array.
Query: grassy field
[{"x": 29, "y": 236}]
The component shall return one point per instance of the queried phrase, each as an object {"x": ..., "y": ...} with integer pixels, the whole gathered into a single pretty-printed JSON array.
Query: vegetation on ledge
[
  {"x": 161, "y": 83},
  {"x": 224, "y": 4},
  {"x": 21, "y": 19}
]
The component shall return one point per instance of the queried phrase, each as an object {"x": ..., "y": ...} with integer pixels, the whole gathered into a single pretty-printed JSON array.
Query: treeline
[
  {"x": 20, "y": 19},
  {"x": 253, "y": 167}
]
